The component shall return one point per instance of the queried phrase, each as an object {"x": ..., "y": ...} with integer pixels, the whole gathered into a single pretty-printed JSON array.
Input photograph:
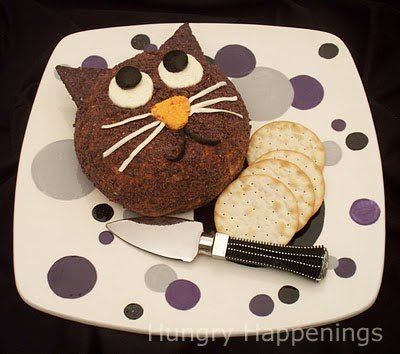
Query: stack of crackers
[{"x": 282, "y": 188}]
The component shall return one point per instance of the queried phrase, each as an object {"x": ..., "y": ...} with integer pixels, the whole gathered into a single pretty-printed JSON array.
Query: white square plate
[{"x": 53, "y": 208}]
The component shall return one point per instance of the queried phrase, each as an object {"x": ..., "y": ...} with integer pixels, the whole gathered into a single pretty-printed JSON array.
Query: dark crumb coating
[
  {"x": 79, "y": 82},
  {"x": 152, "y": 185}
]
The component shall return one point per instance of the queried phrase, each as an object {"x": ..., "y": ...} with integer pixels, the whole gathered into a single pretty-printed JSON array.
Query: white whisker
[
  {"x": 125, "y": 121},
  {"x": 213, "y": 101},
  {"x": 141, "y": 146},
  {"x": 207, "y": 91},
  {"x": 215, "y": 110},
  {"x": 129, "y": 137}
]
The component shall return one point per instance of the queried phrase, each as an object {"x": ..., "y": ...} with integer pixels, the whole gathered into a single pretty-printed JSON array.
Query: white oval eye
[
  {"x": 189, "y": 76},
  {"x": 133, "y": 97}
]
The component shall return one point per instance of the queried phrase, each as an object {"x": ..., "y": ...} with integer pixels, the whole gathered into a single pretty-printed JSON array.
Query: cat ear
[
  {"x": 79, "y": 81},
  {"x": 183, "y": 39}
]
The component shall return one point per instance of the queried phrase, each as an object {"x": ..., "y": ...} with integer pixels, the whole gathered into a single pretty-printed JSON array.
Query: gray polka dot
[
  {"x": 332, "y": 262},
  {"x": 159, "y": 276},
  {"x": 267, "y": 93},
  {"x": 56, "y": 172},
  {"x": 127, "y": 214},
  {"x": 333, "y": 153}
]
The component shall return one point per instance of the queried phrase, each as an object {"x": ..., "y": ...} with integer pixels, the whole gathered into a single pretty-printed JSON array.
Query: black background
[{"x": 29, "y": 31}]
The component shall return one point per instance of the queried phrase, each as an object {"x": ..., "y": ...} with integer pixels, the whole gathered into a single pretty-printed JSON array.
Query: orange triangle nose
[{"x": 173, "y": 112}]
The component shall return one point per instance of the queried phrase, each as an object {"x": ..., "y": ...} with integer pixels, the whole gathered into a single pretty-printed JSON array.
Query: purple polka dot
[
  {"x": 72, "y": 277},
  {"x": 235, "y": 60},
  {"x": 346, "y": 268},
  {"x": 338, "y": 125},
  {"x": 150, "y": 48},
  {"x": 308, "y": 92},
  {"x": 95, "y": 61},
  {"x": 106, "y": 237},
  {"x": 365, "y": 211},
  {"x": 261, "y": 305},
  {"x": 182, "y": 294}
]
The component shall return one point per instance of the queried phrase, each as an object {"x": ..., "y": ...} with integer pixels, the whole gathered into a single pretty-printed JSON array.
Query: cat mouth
[{"x": 174, "y": 114}]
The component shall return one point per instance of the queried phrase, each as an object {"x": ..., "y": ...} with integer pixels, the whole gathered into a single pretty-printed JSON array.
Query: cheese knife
[{"x": 183, "y": 239}]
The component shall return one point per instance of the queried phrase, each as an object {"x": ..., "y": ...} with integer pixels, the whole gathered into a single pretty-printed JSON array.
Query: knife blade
[{"x": 183, "y": 239}]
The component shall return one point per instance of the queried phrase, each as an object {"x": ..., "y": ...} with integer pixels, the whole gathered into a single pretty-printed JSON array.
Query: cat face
[
  {"x": 169, "y": 121},
  {"x": 132, "y": 88}
]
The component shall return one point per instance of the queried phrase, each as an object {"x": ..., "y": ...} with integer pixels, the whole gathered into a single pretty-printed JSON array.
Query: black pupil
[
  {"x": 128, "y": 77},
  {"x": 175, "y": 61}
]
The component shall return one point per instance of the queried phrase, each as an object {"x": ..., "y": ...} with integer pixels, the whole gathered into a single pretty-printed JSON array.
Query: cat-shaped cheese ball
[{"x": 163, "y": 132}]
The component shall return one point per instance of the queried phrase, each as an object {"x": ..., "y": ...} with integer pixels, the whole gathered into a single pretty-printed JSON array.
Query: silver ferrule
[
  {"x": 214, "y": 245},
  {"x": 206, "y": 244},
  {"x": 220, "y": 245}
]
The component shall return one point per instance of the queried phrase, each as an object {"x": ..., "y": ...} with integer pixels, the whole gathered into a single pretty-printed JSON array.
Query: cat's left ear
[
  {"x": 79, "y": 81},
  {"x": 184, "y": 40}
]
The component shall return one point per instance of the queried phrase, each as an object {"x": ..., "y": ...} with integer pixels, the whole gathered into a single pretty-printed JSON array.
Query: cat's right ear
[{"x": 79, "y": 81}]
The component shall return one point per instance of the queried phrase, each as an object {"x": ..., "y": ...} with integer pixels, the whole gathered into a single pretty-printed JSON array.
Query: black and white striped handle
[{"x": 308, "y": 261}]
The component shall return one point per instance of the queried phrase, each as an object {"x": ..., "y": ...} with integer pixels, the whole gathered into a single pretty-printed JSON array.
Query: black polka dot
[
  {"x": 328, "y": 50},
  {"x": 133, "y": 311},
  {"x": 103, "y": 212},
  {"x": 356, "y": 141},
  {"x": 140, "y": 41},
  {"x": 309, "y": 234},
  {"x": 288, "y": 294}
]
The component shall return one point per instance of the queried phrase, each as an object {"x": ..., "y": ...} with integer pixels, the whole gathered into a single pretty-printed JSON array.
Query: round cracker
[
  {"x": 257, "y": 208},
  {"x": 293, "y": 178},
  {"x": 308, "y": 166},
  {"x": 286, "y": 136}
]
